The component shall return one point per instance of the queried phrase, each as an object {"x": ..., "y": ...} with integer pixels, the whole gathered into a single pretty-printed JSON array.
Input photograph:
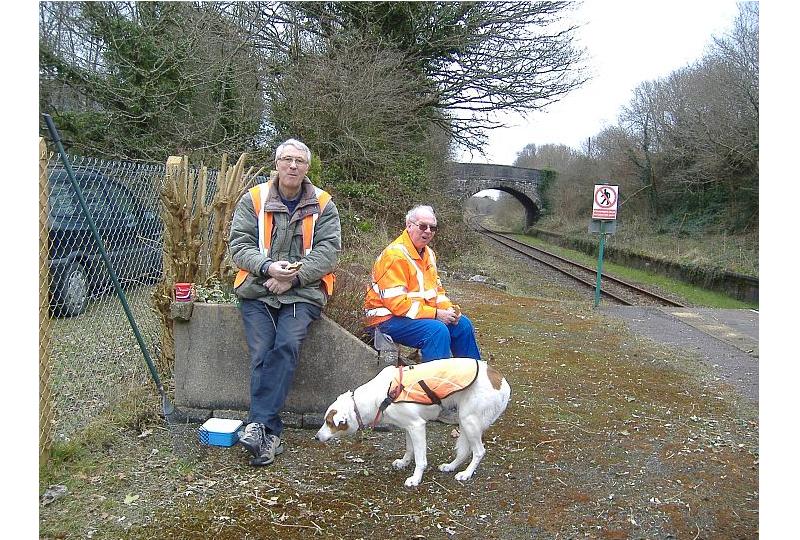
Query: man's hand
[
  {"x": 277, "y": 286},
  {"x": 447, "y": 316},
  {"x": 279, "y": 271}
]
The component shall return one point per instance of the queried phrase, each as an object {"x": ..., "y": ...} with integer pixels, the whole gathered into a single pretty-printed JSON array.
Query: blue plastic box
[{"x": 219, "y": 432}]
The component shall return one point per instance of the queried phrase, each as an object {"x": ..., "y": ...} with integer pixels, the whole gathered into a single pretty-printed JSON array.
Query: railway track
[{"x": 612, "y": 288}]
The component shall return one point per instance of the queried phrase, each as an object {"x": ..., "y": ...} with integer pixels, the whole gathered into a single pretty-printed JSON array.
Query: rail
[{"x": 623, "y": 290}]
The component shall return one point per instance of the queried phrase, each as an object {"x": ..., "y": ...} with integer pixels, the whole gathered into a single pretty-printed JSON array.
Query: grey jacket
[{"x": 286, "y": 245}]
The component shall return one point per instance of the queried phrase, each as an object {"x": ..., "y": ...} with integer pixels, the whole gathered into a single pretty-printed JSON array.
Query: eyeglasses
[
  {"x": 424, "y": 227},
  {"x": 289, "y": 160}
]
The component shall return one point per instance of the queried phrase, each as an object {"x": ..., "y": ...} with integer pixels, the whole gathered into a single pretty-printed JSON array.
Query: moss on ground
[{"x": 606, "y": 436}]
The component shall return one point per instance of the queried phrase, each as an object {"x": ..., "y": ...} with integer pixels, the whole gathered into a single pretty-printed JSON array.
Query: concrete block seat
[{"x": 212, "y": 366}]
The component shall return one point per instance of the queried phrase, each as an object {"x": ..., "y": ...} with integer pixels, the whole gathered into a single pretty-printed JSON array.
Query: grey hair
[
  {"x": 297, "y": 144},
  {"x": 413, "y": 212}
]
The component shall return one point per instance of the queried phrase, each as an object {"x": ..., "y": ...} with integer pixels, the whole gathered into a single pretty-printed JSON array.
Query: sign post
[
  {"x": 599, "y": 264},
  {"x": 604, "y": 215}
]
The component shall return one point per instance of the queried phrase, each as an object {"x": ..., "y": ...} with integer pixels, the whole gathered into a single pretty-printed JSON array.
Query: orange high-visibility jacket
[
  {"x": 258, "y": 194},
  {"x": 431, "y": 382},
  {"x": 404, "y": 284}
]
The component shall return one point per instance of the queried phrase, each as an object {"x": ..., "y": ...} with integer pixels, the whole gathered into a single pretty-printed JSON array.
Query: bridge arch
[{"x": 522, "y": 183}]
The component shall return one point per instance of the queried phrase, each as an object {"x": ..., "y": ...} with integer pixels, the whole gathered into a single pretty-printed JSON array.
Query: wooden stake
[{"x": 45, "y": 390}]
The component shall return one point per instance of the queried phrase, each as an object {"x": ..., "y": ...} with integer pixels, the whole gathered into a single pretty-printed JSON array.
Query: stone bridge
[{"x": 467, "y": 179}]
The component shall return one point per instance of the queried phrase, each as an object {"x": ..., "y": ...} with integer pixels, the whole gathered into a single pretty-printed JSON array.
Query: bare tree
[
  {"x": 739, "y": 51},
  {"x": 553, "y": 157},
  {"x": 354, "y": 103},
  {"x": 479, "y": 58}
]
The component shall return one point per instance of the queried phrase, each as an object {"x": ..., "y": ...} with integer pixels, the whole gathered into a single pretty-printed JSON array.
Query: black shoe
[
  {"x": 271, "y": 446},
  {"x": 252, "y": 438}
]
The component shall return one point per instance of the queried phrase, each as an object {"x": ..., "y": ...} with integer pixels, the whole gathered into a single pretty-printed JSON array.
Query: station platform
[
  {"x": 725, "y": 339},
  {"x": 738, "y": 327}
]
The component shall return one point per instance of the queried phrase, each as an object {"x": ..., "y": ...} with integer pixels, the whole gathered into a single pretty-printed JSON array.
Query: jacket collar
[
  {"x": 405, "y": 239},
  {"x": 308, "y": 203}
]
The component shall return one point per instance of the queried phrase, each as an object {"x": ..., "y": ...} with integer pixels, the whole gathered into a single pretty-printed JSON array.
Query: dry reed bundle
[
  {"x": 193, "y": 251},
  {"x": 185, "y": 219},
  {"x": 231, "y": 184}
]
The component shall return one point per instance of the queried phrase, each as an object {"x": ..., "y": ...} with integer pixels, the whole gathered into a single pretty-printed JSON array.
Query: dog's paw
[
  {"x": 400, "y": 463},
  {"x": 412, "y": 481},
  {"x": 446, "y": 467},
  {"x": 463, "y": 476}
]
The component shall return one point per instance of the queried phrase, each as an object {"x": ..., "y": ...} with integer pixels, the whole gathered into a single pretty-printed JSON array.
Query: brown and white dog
[{"x": 477, "y": 406}]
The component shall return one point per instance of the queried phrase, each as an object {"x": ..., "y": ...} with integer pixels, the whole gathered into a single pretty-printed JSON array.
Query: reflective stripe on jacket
[
  {"x": 404, "y": 284},
  {"x": 431, "y": 382}
]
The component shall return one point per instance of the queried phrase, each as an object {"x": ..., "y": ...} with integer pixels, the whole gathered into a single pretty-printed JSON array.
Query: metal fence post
[{"x": 46, "y": 411}]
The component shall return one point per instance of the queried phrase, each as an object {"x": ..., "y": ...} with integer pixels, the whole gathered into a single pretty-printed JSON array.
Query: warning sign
[{"x": 604, "y": 205}]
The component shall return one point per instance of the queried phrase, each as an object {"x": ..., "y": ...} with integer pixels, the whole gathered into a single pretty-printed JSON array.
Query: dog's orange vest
[
  {"x": 431, "y": 382},
  {"x": 265, "y": 226}
]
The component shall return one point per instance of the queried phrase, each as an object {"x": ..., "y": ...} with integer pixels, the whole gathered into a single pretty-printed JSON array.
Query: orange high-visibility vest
[
  {"x": 265, "y": 230},
  {"x": 430, "y": 382}
]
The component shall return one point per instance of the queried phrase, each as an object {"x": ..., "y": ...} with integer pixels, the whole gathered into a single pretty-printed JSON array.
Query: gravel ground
[{"x": 609, "y": 435}]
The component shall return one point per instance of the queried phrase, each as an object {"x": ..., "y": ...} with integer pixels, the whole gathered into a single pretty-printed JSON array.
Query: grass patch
[
  {"x": 693, "y": 295},
  {"x": 134, "y": 410},
  {"x": 95, "y": 358},
  {"x": 736, "y": 253}
]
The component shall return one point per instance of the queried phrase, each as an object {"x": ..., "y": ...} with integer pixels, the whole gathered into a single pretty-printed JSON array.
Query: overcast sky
[{"x": 627, "y": 42}]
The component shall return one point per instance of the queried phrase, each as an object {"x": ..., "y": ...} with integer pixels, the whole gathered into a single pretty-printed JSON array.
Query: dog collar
[{"x": 355, "y": 408}]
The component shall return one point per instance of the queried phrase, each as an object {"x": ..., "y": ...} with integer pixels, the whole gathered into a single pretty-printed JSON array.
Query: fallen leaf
[{"x": 129, "y": 499}]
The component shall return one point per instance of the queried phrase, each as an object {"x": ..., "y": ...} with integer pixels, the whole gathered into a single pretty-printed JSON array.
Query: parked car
[{"x": 131, "y": 232}]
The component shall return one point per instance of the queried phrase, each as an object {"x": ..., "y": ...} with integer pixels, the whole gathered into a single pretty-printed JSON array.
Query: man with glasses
[
  {"x": 285, "y": 238},
  {"x": 406, "y": 300}
]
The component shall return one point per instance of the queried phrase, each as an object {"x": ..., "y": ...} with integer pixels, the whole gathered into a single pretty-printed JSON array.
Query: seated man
[
  {"x": 276, "y": 226},
  {"x": 407, "y": 301}
]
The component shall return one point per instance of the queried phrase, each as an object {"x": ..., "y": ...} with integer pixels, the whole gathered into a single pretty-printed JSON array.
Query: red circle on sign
[{"x": 605, "y": 197}]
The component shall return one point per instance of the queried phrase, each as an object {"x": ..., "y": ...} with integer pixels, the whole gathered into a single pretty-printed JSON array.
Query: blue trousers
[
  {"x": 274, "y": 336},
  {"x": 434, "y": 338}
]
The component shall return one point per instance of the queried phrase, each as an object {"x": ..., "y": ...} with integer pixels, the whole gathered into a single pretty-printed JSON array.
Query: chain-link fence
[
  {"x": 157, "y": 225},
  {"x": 89, "y": 357}
]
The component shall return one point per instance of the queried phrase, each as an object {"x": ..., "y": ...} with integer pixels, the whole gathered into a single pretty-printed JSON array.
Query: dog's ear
[
  {"x": 340, "y": 420},
  {"x": 329, "y": 418},
  {"x": 336, "y": 421}
]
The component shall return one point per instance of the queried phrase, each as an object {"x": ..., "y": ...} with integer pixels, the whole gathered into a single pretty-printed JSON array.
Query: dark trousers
[
  {"x": 274, "y": 336},
  {"x": 435, "y": 339}
]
